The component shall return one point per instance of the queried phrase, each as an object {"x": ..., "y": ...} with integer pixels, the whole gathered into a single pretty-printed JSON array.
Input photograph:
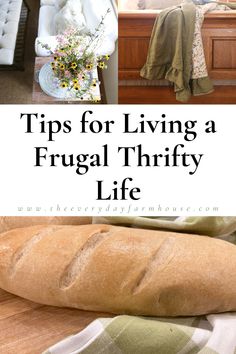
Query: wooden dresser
[{"x": 219, "y": 36}]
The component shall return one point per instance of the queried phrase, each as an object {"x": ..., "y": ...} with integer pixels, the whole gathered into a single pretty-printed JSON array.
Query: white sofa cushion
[
  {"x": 61, "y": 3},
  {"x": 93, "y": 11},
  {"x": 50, "y": 41},
  {"x": 46, "y": 14},
  {"x": 9, "y": 21},
  {"x": 70, "y": 15}
]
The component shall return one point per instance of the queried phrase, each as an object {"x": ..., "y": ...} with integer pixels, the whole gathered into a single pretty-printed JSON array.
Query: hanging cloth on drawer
[
  {"x": 200, "y": 82},
  {"x": 170, "y": 54},
  {"x": 199, "y": 70},
  {"x": 199, "y": 76}
]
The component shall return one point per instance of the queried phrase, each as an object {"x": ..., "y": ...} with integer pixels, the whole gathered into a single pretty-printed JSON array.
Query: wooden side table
[{"x": 39, "y": 97}]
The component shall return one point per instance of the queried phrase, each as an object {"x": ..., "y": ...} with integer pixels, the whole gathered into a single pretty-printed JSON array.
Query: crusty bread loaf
[
  {"x": 13, "y": 222},
  {"x": 119, "y": 270}
]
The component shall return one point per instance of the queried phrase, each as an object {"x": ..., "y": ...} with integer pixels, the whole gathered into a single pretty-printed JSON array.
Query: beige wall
[
  {"x": 110, "y": 76},
  {"x": 128, "y": 4}
]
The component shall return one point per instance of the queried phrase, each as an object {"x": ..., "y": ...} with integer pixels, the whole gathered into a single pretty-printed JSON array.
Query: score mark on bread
[
  {"x": 81, "y": 258},
  {"x": 22, "y": 251},
  {"x": 160, "y": 259}
]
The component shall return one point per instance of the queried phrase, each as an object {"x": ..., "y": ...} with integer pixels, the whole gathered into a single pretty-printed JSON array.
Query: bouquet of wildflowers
[{"x": 74, "y": 60}]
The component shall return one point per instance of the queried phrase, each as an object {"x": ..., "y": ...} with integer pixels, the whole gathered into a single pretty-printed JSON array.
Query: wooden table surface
[
  {"x": 39, "y": 97},
  {"x": 30, "y": 328}
]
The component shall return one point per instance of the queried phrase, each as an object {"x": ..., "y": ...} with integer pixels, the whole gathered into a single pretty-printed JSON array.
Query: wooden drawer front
[
  {"x": 221, "y": 46},
  {"x": 220, "y": 52},
  {"x": 134, "y": 37},
  {"x": 132, "y": 56}
]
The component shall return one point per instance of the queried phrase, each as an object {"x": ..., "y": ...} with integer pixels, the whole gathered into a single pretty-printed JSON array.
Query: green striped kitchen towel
[
  {"x": 215, "y": 226},
  {"x": 215, "y": 334}
]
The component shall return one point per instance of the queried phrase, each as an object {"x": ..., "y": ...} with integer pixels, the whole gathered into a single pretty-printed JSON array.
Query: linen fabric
[
  {"x": 171, "y": 50},
  {"x": 213, "y": 226},
  {"x": 176, "y": 50},
  {"x": 214, "y": 334}
]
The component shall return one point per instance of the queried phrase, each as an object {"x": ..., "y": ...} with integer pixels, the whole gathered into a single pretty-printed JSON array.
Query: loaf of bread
[
  {"x": 119, "y": 270},
  {"x": 13, "y": 222}
]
